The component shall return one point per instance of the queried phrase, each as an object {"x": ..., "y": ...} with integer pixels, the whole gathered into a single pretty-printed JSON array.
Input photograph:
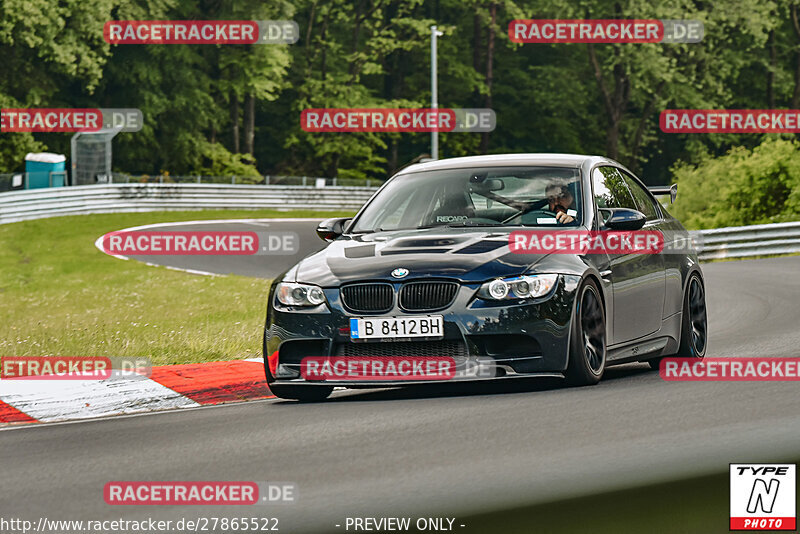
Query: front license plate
[{"x": 397, "y": 327}]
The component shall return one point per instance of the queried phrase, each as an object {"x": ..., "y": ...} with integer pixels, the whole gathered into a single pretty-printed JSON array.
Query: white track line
[
  {"x": 245, "y": 221},
  {"x": 99, "y": 246}
]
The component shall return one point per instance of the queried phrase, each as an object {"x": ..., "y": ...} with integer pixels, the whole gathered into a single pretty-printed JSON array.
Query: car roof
[{"x": 503, "y": 160}]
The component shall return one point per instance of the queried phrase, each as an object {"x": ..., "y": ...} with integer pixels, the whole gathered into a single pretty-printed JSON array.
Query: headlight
[
  {"x": 291, "y": 294},
  {"x": 519, "y": 287}
]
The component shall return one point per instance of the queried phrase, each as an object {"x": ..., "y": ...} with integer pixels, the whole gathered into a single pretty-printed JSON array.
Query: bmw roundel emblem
[{"x": 400, "y": 272}]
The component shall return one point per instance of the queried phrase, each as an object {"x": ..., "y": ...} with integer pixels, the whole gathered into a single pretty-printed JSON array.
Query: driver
[{"x": 559, "y": 200}]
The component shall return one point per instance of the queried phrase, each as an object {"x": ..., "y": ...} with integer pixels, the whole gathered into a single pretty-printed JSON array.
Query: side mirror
[
  {"x": 330, "y": 229},
  {"x": 623, "y": 218}
]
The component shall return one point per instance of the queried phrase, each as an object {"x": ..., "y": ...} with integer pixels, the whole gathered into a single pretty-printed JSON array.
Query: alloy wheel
[
  {"x": 697, "y": 316},
  {"x": 593, "y": 327}
]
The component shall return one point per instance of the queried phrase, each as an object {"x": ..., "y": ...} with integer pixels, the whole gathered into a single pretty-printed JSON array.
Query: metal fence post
[
  {"x": 367, "y": 183},
  {"x": 161, "y": 179},
  {"x": 233, "y": 179},
  {"x": 304, "y": 180},
  {"x": 266, "y": 179},
  {"x": 198, "y": 178}
]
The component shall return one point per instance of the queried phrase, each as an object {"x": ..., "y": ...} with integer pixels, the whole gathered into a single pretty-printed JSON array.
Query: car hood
[{"x": 468, "y": 255}]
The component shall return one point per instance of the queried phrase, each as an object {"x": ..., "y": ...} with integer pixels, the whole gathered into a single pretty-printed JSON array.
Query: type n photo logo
[{"x": 763, "y": 497}]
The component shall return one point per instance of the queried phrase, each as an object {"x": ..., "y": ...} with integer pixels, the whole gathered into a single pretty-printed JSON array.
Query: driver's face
[{"x": 557, "y": 197}]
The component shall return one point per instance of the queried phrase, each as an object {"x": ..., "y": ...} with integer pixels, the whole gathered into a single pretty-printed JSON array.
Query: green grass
[{"x": 59, "y": 295}]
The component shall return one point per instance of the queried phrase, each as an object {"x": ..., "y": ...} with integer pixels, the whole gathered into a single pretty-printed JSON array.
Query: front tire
[
  {"x": 293, "y": 392},
  {"x": 587, "y": 345},
  {"x": 301, "y": 393}
]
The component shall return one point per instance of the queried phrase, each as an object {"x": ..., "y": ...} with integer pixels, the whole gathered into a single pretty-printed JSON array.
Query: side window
[
  {"x": 644, "y": 202},
  {"x": 610, "y": 190}
]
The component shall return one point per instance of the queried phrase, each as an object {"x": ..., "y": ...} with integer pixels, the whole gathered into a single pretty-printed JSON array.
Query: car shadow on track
[{"x": 470, "y": 389}]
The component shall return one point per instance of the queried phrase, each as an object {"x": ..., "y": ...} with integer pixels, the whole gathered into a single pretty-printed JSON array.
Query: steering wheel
[{"x": 533, "y": 213}]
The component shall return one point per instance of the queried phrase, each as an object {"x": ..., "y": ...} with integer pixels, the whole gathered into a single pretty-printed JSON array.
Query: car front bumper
[{"x": 486, "y": 339}]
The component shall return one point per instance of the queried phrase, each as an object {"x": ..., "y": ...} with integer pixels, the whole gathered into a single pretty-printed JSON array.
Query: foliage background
[
  {"x": 235, "y": 109},
  {"x": 756, "y": 186}
]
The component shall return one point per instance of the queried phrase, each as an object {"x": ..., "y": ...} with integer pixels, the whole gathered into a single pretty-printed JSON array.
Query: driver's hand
[{"x": 563, "y": 218}]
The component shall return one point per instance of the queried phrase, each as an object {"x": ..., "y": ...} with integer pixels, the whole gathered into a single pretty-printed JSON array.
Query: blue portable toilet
[{"x": 45, "y": 170}]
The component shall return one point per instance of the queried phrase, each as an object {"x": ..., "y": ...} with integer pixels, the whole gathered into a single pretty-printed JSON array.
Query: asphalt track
[{"x": 454, "y": 451}]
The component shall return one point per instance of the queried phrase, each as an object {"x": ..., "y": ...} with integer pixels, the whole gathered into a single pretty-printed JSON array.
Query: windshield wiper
[{"x": 467, "y": 223}]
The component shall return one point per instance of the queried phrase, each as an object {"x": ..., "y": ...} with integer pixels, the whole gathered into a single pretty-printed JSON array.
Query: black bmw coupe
[{"x": 427, "y": 270}]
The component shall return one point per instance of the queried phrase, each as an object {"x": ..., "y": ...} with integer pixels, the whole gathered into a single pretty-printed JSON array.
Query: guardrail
[
  {"x": 116, "y": 198},
  {"x": 717, "y": 243},
  {"x": 749, "y": 241},
  {"x": 18, "y": 180},
  {"x": 120, "y": 178}
]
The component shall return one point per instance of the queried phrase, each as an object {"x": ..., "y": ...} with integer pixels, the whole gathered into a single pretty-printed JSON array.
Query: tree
[{"x": 46, "y": 46}]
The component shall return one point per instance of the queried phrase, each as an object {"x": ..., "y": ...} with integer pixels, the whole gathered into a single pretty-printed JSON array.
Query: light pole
[{"x": 434, "y": 92}]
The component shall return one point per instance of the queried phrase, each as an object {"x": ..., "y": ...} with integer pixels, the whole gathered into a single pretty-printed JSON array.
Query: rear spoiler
[{"x": 671, "y": 190}]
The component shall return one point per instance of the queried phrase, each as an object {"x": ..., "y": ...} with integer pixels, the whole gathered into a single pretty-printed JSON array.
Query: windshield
[{"x": 496, "y": 196}]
